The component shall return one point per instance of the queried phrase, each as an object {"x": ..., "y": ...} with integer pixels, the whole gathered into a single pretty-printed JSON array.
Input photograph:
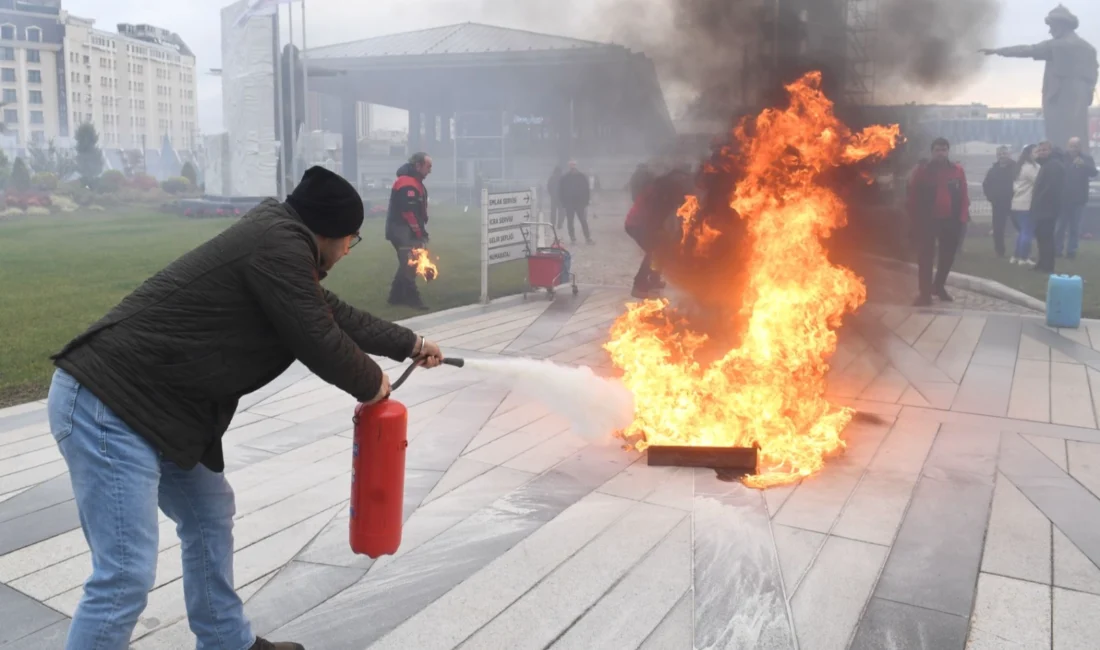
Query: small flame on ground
[
  {"x": 770, "y": 388},
  {"x": 425, "y": 268}
]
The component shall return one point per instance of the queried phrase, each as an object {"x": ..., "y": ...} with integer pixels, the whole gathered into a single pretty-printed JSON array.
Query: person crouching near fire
[
  {"x": 657, "y": 202},
  {"x": 140, "y": 401}
]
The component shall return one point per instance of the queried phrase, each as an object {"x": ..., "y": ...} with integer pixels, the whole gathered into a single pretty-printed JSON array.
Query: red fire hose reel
[{"x": 378, "y": 472}]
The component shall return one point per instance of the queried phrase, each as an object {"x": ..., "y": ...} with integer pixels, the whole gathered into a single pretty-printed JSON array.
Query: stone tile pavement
[{"x": 967, "y": 515}]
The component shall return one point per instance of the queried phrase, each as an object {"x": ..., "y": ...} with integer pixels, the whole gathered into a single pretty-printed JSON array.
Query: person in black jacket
[
  {"x": 1080, "y": 169},
  {"x": 140, "y": 401},
  {"x": 553, "y": 190},
  {"x": 575, "y": 197},
  {"x": 407, "y": 227},
  {"x": 998, "y": 188},
  {"x": 639, "y": 180},
  {"x": 1046, "y": 203}
]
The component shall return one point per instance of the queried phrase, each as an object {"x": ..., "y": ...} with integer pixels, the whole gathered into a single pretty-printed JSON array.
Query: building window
[
  {"x": 38, "y": 137},
  {"x": 9, "y": 96},
  {"x": 7, "y": 74},
  {"x": 37, "y": 117},
  {"x": 34, "y": 76},
  {"x": 11, "y": 116},
  {"x": 34, "y": 56},
  {"x": 36, "y": 97},
  {"x": 34, "y": 35},
  {"x": 7, "y": 32},
  {"x": 7, "y": 53}
]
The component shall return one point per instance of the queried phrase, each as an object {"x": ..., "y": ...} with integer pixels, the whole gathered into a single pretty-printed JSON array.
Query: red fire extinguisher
[{"x": 378, "y": 472}]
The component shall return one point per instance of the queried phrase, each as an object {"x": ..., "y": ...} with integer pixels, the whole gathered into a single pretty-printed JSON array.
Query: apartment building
[
  {"x": 58, "y": 71},
  {"x": 31, "y": 42},
  {"x": 135, "y": 85}
]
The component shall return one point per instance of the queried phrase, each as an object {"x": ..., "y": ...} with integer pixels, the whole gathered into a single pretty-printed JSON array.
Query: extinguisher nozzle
[{"x": 455, "y": 361}]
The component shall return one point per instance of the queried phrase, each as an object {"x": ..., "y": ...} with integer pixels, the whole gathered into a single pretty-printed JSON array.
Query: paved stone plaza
[{"x": 968, "y": 516}]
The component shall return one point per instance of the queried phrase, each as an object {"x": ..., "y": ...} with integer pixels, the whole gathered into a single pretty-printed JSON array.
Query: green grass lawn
[
  {"x": 59, "y": 274},
  {"x": 979, "y": 259}
]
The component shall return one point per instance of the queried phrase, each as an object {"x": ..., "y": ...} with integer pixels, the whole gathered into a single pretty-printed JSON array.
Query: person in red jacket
[
  {"x": 939, "y": 206},
  {"x": 656, "y": 202},
  {"x": 407, "y": 226}
]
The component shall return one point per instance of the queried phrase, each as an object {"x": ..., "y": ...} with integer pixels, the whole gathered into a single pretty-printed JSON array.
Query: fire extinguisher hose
[{"x": 453, "y": 361}]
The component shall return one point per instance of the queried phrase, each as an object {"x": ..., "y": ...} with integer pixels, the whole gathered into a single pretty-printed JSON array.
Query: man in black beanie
[{"x": 140, "y": 401}]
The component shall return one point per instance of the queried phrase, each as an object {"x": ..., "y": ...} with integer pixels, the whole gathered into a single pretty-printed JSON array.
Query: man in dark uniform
[
  {"x": 1046, "y": 203},
  {"x": 407, "y": 226},
  {"x": 998, "y": 188}
]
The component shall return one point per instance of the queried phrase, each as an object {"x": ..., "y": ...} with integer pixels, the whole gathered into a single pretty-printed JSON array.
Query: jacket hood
[{"x": 407, "y": 170}]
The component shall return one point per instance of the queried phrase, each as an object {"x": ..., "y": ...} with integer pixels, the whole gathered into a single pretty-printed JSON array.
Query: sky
[{"x": 1001, "y": 82}]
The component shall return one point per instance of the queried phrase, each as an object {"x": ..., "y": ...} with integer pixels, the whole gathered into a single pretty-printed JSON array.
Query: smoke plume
[
  {"x": 932, "y": 44},
  {"x": 720, "y": 55}
]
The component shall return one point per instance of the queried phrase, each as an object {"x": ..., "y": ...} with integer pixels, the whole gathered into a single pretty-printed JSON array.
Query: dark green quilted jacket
[{"x": 175, "y": 356}]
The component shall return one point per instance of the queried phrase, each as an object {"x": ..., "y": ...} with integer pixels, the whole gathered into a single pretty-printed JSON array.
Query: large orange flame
[
  {"x": 425, "y": 268},
  {"x": 770, "y": 388}
]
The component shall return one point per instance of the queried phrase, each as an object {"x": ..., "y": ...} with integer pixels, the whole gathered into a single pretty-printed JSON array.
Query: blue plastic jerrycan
[{"x": 1064, "y": 296}]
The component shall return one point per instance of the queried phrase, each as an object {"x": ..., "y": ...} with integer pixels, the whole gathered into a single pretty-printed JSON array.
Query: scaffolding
[{"x": 861, "y": 20}]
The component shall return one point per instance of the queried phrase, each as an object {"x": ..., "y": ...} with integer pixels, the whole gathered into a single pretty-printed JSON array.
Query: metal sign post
[
  {"x": 484, "y": 246},
  {"x": 502, "y": 215}
]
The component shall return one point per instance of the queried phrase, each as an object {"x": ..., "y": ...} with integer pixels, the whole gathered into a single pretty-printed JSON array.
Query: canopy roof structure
[{"x": 476, "y": 67}]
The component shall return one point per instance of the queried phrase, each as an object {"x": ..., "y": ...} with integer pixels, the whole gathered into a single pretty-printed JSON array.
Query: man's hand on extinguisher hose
[
  {"x": 427, "y": 353},
  {"x": 383, "y": 390}
]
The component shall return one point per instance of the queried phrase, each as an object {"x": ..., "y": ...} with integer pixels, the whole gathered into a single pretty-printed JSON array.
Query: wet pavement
[{"x": 967, "y": 516}]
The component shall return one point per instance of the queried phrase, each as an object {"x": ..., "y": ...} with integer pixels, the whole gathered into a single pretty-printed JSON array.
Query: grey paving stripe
[
  {"x": 887, "y": 624},
  {"x": 54, "y": 491},
  {"x": 447, "y": 434},
  {"x": 935, "y": 559},
  {"x": 38, "y": 526},
  {"x": 550, "y": 322},
  {"x": 50, "y": 638},
  {"x": 994, "y": 423},
  {"x": 296, "y": 589},
  {"x": 597, "y": 332},
  {"x": 365, "y": 612},
  {"x": 13, "y": 422},
  {"x": 908, "y": 361},
  {"x": 428, "y": 321},
  {"x": 1072, "y": 349},
  {"x": 999, "y": 343},
  {"x": 676, "y": 630},
  {"x": 739, "y": 598},
  {"x": 22, "y": 616},
  {"x": 300, "y": 435},
  {"x": 1064, "y": 501},
  {"x": 240, "y": 457}
]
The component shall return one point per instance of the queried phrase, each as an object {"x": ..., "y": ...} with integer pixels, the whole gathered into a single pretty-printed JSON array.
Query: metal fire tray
[{"x": 725, "y": 460}]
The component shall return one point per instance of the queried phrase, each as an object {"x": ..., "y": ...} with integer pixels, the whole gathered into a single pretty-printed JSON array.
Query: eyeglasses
[{"x": 355, "y": 239}]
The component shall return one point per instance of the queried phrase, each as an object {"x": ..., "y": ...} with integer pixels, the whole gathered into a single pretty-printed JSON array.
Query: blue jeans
[
  {"x": 1027, "y": 233},
  {"x": 119, "y": 481},
  {"x": 1069, "y": 223}
]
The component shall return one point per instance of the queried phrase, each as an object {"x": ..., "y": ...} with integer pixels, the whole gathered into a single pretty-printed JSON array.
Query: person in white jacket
[{"x": 1027, "y": 170}]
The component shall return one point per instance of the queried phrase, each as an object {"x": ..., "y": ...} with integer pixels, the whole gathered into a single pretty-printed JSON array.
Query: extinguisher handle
[{"x": 452, "y": 361}]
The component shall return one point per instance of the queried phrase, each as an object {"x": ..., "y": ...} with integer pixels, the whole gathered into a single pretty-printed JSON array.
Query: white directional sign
[
  {"x": 506, "y": 201},
  {"x": 502, "y": 215},
  {"x": 509, "y": 219}
]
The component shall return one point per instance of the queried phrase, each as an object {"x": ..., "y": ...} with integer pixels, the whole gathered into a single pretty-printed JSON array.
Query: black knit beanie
[{"x": 327, "y": 204}]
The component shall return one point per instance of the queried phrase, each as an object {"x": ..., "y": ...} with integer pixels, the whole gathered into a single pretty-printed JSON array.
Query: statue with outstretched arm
[{"x": 1069, "y": 82}]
